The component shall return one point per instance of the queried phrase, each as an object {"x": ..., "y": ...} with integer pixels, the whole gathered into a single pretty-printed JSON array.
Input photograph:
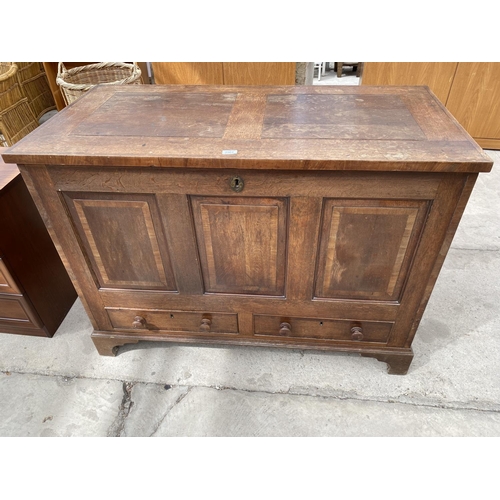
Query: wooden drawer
[
  {"x": 7, "y": 283},
  {"x": 16, "y": 311},
  {"x": 172, "y": 321},
  {"x": 321, "y": 329}
]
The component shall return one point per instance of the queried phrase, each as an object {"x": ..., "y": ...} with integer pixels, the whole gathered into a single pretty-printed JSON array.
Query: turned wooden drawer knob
[
  {"x": 205, "y": 325},
  {"x": 285, "y": 329},
  {"x": 139, "y": 322},
  {"x": 357, "y": 333}
]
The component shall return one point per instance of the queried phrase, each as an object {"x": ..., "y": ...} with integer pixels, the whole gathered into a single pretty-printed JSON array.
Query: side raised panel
[
  {"x": 123, "y": 239},
  {"x": 242, "y": 244},
  {"x": 366, "y": 247}
]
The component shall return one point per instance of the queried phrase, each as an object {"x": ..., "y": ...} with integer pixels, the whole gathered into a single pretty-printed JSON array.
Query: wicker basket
[
  {"x": 16, "y": 117},
  {"x": 76, "y": 81},
  {"x": 10, "y": 91},
  {"x": 35, "y": 87},
  {"x": 27, "y": 70}
]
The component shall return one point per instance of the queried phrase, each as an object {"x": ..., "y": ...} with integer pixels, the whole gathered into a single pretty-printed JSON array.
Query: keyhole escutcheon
[{"x": 236, "y": 184}]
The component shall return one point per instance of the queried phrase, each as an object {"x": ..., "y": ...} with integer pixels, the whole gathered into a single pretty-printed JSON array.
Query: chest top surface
[{"x": 282, "y": 127}]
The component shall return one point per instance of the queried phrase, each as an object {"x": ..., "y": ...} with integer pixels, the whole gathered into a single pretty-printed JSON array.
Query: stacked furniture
[{"x": 35, "y": 290}]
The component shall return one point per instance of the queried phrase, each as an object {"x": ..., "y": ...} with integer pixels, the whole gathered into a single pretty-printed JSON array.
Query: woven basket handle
[{"x": 61, "y": 69}]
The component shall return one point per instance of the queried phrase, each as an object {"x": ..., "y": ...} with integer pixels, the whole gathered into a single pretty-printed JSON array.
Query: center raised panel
[{"x": 242, "y": 244}]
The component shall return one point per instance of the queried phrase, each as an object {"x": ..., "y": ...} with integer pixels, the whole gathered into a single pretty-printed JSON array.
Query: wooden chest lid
[{"x": 282, "y": 127}]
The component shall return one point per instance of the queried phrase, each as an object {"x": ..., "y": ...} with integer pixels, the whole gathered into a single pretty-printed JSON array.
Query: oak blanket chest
[{"x": 303, "y": 217}]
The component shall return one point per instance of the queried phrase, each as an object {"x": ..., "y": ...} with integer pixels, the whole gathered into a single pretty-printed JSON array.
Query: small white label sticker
[{"x": 229, "y": 151}]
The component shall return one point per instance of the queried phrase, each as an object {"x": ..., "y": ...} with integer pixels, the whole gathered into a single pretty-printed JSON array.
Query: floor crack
[
  {"x": 481, "y": 406},
  {"x": 116, "y": 428},
  {"x": 177, "y": 401}
]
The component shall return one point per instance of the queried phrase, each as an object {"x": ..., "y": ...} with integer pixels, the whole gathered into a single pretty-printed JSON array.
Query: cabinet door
[{"x": 475, "y": 101}]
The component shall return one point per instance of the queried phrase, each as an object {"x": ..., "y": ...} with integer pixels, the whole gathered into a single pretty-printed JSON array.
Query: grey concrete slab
[
  {"x": 209, "y": 412},
  {"x": 151, "y": 403},
  {"x": 479, "y": 228},
  {"x": 60, "y": 407},
  {"x": 35, "y": 405}
]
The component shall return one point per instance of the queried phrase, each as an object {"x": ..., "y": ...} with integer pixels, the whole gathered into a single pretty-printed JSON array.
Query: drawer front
[
  {"x": 16, "y": 311},
  {"x": 173, "y": 321},
  {"x": 321, "y": 329},
  {"x": 7, "y": 283}
]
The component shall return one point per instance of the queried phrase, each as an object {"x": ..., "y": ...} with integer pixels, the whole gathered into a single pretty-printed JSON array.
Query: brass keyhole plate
[{"x": 236, "y": 184}]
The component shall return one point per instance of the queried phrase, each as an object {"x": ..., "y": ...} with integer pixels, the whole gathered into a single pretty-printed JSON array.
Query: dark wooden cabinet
[
  {"x": 303, "y": 217},
  {"x": 35, "y": 290}
]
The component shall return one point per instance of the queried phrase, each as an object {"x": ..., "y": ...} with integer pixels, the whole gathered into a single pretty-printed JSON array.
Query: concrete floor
[{"x": 62, "y": 387}]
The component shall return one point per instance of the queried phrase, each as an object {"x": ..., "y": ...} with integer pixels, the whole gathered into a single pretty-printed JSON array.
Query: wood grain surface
[
  {"x": 110, "y": 226},
  {"x": 224, "y": 73},
  {"x": 437, "y": 75},
  {"x": 475, "y": 99},
  {"x": 259, "y": 73},
  {"x": 188, "y": 73},
  {"x": 8, "y": 171},
  {"x": 290, "y": 127},
  {"x": 242, "y": 244}
]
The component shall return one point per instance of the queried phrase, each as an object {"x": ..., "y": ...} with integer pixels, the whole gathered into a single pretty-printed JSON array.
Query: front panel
[{"x": 249, "y": 249}]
